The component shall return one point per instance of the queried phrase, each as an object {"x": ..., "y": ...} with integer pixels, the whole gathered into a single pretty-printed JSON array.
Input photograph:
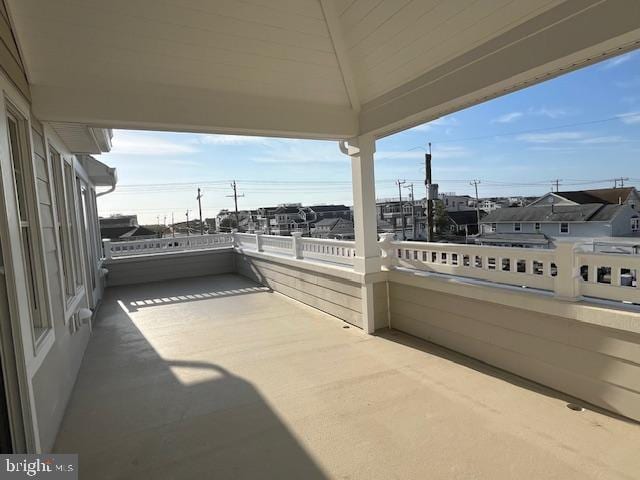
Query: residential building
[
  {"x": 389, "y": 210},
  {"x": 527, "y": 225},
  {"x": 333, "y": 228},
  {"x": 124, "y": 227},
  {"x": 456, "y": 203},
  {"x": 464, "y": 222},
  {"x": 177, "y": 370}
]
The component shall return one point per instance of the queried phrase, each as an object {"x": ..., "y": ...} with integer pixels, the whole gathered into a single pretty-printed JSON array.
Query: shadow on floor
[
  {"x": 134, "y": 414},
  {"x": 425, "y": 346},
  {"x": 135, "y": 297}
]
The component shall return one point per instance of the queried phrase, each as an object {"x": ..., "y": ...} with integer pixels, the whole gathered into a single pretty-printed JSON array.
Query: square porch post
[{"x": 367, "y": 260}]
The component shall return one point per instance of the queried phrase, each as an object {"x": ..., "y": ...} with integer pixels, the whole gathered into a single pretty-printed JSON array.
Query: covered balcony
[
  {"x": 247, "y": 355},
  {"x": 222, "y": 377}
]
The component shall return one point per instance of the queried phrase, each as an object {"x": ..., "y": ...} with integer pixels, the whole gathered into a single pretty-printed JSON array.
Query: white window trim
[
  {"x": 635, "y": 225},
  {"x": 568, "y": 228},
  {"x": 519, "y": 224}
]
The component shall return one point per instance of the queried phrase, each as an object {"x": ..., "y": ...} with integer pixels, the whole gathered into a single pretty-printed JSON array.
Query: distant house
[
  {"x": 608, "y": 196},
  {"x": 456, "y": 203},
  {"x": 333, "y": 228},
  {"x": 562, "y": 214},
  {"x": 463, "y": 222},
  {"x": 124, "y": 227}
]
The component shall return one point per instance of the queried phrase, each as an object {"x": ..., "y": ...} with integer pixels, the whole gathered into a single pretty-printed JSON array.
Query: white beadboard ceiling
[{"x": 315, "y": 68}]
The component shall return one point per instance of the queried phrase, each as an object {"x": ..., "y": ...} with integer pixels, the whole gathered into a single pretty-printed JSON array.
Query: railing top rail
[
  {"x": 329, "y": 241},
  {"x": 467, "y": 246}
]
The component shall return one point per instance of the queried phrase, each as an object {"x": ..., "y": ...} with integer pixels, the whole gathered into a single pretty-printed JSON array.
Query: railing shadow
[
  {"x": 135, "y": 414},
  {"x": 425, "y": 346},
  {"x": 136, "y": 297}
]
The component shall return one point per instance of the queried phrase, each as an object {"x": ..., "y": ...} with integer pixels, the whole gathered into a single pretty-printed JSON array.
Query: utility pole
[
  {"x": 187, "y": 214},
  {"x": 173, "y": 226},
  {"x": 400, "y": 183},
  {"x": 413, "y": 213},
  {"x": 621, "y": 180},
  {"x": 158, "y": 227},
  {"x": 427, "y": 184},
  {"x": 200, "y": 210},
  {"x": 235, "y": 200},
  {"x": 557, "y": 184},
  {"x": 475, "y": 184}
]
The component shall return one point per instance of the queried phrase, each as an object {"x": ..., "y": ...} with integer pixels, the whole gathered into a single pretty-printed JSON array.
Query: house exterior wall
[
  {"x": 621, "y": 224},
  {"x": 47, "y": 364},
  {"x": 597, "y": 364},
  {"x": 584, "y": 229}
]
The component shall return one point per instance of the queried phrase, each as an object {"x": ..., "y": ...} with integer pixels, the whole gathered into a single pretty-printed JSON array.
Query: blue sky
[{"x": 582, "y": 127}]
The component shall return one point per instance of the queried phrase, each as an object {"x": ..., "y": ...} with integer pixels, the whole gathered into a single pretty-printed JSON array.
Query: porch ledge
[{"x": 597, "y": 313}]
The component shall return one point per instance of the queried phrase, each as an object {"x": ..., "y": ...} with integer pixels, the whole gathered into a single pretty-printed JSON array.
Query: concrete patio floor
[{"x": 217, "y": 377}]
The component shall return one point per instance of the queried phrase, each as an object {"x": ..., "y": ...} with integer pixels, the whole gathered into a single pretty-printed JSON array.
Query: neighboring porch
[{"x": 219, "y": 377}]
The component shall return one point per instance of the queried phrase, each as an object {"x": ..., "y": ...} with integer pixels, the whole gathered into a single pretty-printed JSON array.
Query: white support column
[
  {"x": 361, "y": 150},
  {"x": 367, "y": 258},
  {"x": 297, "y": 244}
]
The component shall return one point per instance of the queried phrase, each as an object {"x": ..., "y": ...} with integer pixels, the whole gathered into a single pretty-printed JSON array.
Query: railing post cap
[
  {"x": 296, "y": 234},
  {"x": 386, "y": 237}
]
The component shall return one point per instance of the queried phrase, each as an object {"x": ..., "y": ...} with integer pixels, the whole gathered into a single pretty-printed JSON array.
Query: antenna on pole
[
  {"x": 430, "y": 192},
  {"x": 200, "y": 211}
]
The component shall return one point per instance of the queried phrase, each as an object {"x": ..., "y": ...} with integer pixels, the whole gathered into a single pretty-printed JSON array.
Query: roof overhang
[
  {"x": 82, "y": 139},
  {"x": 331, "y": 69},
  {"x": 100, "y": 174}
]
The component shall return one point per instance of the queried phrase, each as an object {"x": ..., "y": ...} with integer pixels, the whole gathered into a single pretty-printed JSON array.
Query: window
[
  {"x": 23, "y": 177},
  {"x": 517, "y": 227},
  {"x": 537, "y": 226},
  {"x": 564, "y": 228},
  {"x": 63, "y": 226},
  {"x": 635, "y": 224},
  {"x": 494, "y": 227}
]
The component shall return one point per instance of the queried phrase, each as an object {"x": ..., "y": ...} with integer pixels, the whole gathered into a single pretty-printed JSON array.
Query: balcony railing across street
[{"x": 568, "y": 271}]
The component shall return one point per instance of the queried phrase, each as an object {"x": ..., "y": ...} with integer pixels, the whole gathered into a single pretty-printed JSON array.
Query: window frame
[
  {"x": 560, "y": 228},
  {"x": 537, "y": 226},
  {"x": 517, "y": 226},
  {"x": 635, "y": 224},
  {"x": 36, "y": 272}
]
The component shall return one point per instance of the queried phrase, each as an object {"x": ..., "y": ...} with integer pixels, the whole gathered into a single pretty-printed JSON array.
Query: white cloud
[
  {"x": 439, "y": 152},
  {"x": 136, "y": 143},
  {"x": 605, "y": 139},
  {"x": 231, "y": 139},
  {"x": 630, "y": 118},
  {"x": 508, "y": 117},
  {"x": 550, "y": 137},
  {"x": 549, "y": 112},
  {"x": 399, "y": 155},
  {"x": 614, "y": 62}
]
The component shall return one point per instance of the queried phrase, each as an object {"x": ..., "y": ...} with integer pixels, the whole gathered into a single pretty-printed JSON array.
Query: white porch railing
[
  {"x": 338, "y": 252},
  {"x": 165, "y": 245},
  {"x": 568, "y": 271}
]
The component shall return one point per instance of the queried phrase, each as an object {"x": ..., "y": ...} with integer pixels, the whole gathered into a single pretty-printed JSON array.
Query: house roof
[
  {"x": 601, "y": 195},
  {"x": 125, "y": 232},
  {"x": 328, "y": 208},
  {"x": 287, "y": 210},
  {"x": 327, "y": 222},
  {"x": 465, "y": 217},
  {"x": 591, "y": 212}
]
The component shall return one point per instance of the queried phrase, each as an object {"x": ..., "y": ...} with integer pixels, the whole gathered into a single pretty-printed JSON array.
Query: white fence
[
  {"x": 567, "y": 271},
  {"x": 165, "y": 245},
  {"x": 338, "y": 252}
]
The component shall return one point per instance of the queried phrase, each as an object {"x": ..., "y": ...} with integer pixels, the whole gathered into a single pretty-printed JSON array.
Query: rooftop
[
  {"x": 590, "y": 212},
  {"x": 180, "y": 379}
]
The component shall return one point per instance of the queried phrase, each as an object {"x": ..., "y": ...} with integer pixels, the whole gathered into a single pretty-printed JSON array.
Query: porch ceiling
[{"x": 304, "y": 68}]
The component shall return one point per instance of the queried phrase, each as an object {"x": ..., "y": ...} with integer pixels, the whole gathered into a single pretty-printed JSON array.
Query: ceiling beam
[
  {"x": 337, "y": 39},
  {"x": 573, "y": 34}
]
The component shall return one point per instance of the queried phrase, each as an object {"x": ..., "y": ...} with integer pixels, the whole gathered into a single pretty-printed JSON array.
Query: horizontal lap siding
[
  {"x": 597, "y": 364},
  {"x": 159, "y": 267},
  {"x": 10, "y": 57},
  {"x": 333, "y": 295}
]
